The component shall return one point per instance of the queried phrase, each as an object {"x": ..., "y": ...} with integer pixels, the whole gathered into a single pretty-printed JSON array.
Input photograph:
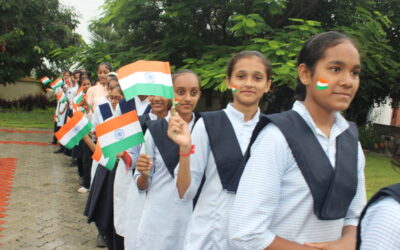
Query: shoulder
[{"x": 384, "y": 211}]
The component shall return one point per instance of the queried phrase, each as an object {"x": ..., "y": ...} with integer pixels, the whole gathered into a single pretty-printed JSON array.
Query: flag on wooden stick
[
  {"x": 74, "y": 130},
  {"x": 146, "y": 78},
  {"x": 119, "y": 133}
]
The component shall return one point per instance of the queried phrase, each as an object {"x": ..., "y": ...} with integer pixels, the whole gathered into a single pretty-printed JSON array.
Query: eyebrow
[{"x": 358, "y": 66}]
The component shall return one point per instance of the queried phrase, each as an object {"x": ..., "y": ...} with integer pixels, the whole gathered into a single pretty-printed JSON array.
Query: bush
[
  {"x": 28, "y": 102},
  {"x": 369, "y": 137}
]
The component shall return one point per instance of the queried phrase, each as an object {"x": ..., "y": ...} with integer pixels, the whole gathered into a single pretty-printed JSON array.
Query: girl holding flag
[
  {"x": 99, "y": 206},
  {"x": 303, "y": 185},
  {"x": 213, "y": 154},
  {"x": 128, "y": 200},
  {"x": 163, "y": 217}
]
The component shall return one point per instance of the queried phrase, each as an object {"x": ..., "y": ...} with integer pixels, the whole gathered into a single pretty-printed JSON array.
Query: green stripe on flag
[
  {"x": 75, "y": 140},
  {"x": 148, "y": 89},
  {"x": 122, "y": 145},
  {"x": 111, "y": 163}
]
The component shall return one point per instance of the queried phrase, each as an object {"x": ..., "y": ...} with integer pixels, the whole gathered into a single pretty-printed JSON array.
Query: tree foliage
[
  {"x": 29, "y": 31},
  {"x": 203, "y": 35}
]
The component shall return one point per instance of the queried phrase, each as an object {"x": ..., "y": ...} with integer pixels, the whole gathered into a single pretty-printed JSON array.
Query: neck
[
  {"x": 186, "y": 117},
  {"x": 161, "y": 114},
  {"x": 322, "y": 118},
  {"x": 142, "y": 97},
  {"x": 248, "y": 111}
]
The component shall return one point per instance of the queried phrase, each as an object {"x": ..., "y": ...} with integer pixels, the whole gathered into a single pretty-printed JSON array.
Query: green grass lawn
[
  {"x": 379, "y": 172},
  {"x": 37, "y": 118}
]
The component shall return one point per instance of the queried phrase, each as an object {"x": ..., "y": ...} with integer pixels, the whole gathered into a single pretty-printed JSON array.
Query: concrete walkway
[{"x": 45, "y": 210}]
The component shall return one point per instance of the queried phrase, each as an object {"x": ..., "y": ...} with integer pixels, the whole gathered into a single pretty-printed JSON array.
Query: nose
[{"x": 348, "y": 80}]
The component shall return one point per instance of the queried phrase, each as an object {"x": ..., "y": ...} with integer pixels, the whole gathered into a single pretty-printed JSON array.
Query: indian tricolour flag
[
  {"x": 146, "y": 78},
  {"x": 119, "y": 133},
  {"x": 57, "y": 83},
  {"x": 322, "y": 84},
  {"x": 98, "y": 156},
  {"x": 62, "y": 97},
  {"x": 45, "y": 80},
  {"x": 79, "y": 96},
  {"x": 74, "y": 130}
]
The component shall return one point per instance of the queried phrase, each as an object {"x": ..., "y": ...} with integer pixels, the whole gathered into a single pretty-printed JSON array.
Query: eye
[
  {"x": 355, "y": 73},
  {"x": 180, "y": 91},
  {"x": 194, "y": 93},
  {"x": 334, "y": 69},
  {"x": 240, "y": 76},
  {"x": 258, "y": 78}
]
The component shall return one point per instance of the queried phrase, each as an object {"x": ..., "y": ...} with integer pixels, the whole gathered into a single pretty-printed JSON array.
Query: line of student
[{"x": 238, "y": 179}]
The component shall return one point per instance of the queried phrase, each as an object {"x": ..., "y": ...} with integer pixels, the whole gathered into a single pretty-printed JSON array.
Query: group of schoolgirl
[
  {"x": 73, "y": 83},
  {"x": 237, "y": 179}
]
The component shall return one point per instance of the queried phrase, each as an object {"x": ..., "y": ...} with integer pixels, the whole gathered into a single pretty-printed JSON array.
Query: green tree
[
  {"x": 29, "y": 31},
  {"x": 203, "y": 35}
]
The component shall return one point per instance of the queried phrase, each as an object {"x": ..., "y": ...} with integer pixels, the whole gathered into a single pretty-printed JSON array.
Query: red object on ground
[
  {"x": 7, "y": 170},
  {"x": 28, "y": 143},
  {"x": 25, "y": 131}
]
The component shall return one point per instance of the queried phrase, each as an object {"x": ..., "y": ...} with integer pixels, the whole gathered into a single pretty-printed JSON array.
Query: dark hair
[
  {"x": 66, "y": 71},
  {"x": 185, "y": 71},
  {"x": 249, "y": 53},
  {"x": 82, "y": 78},
  {"x": 107, "y": 65},
  {"x": 314, "y": 50},
  {"x": 117, "y": 87},
  {"x": 111, "y": 78}
]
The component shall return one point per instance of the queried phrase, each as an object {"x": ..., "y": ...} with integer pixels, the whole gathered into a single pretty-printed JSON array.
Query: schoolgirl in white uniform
[
  {"x": 303, "y": 185},
  {"x": 129, "y": 214},
  {"x": 164, "y": 218},
  {"x": 220, "y": 140},
  {"x": 379, "y": 226}
]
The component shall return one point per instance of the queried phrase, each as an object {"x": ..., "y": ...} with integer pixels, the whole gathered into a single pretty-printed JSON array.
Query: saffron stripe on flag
[{"x": 144, "y": 66}]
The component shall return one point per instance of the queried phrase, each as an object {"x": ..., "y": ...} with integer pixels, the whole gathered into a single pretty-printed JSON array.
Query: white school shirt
[
  {"x": 164, "y": 217},
  {"x": 141, "y": 105},
  {"x": 380, "y": 227},
  {"x": 71, "y": 93},
  {"x": 208, "y": 225},
  {"x": 61, "y": 118},
  {"x": 122, "y": 182},
  {"x": 134, "y": 205},
  {"x": 273, "y": 198}
]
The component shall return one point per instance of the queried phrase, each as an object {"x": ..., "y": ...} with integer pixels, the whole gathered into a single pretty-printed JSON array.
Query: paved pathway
[{"x": 45, "y": 210}]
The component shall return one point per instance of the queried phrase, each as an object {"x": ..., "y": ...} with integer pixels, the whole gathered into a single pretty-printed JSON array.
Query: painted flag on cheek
[
  {"x": 98, "y": 156},
  {"x": 45, "y": 80},
  {"x": 74, "y": 130},
  {"x": 146, "y": 78},
  {"x": 322, "y": 84},
  {"x": 234, "y": 88},
  {"x": 119, "y": 134}
]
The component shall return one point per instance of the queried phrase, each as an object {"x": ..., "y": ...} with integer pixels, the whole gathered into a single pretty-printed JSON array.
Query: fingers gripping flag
[
  {"x": 119, "y": 133},
  {"x": 146, "y": 78},
  {"x": 74, "y": 130}
]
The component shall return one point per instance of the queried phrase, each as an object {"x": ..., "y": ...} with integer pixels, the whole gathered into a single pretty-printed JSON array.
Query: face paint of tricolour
[
  {"x": 322, "y": 84},
  {"x": 234, "y": 88}
]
